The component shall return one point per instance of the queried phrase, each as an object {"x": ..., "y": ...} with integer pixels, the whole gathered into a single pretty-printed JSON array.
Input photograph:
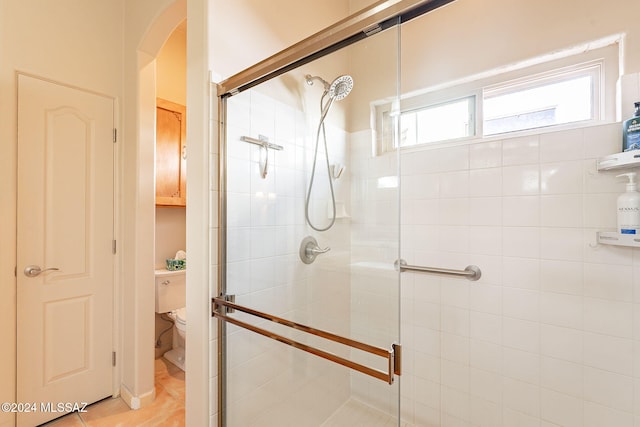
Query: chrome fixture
[
  {"x": 471, "y": 272},
  {"x": 336, "y": 91},
  {"x": 35, "y": 270},
  {"x": 309, "y": 250},
  {"x": 221, "y": 306},
  {"x": 263, "y": 142}
]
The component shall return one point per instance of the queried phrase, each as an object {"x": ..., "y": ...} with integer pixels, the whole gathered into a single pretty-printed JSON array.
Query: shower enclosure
[{"x": 309, "y": 304}]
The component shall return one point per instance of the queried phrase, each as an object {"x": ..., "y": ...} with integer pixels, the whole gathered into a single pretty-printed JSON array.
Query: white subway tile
[
  {"x": 561, "y": 276},
  {"x": 521, "y": 273},
  {"x": 561, "y": 211},
  {"x": 485, "y": 211},
  {"x": 562, "y": 145},
  {"x": 485, "y": 155},
  {"x": 562, "y": 376},
  {"x": 520, "y": 304},
  {"x": 455, "y": 320},
  {"x": 561, "y": 178},
  {"x": 520, "y": 180},
  {"x": 521, "y": 211},
  {"x": 485, "y": 240},
  {"x": 597, "y": 415},
  {"x": 608, "y": 317},
  {"x": 561, "y": 409},
  {"x": 455, "y": 375},
  {"x": 485, "y": 182},
  {"x": 521, "y": 150},
  {"x": 486, "y": 327},
  {"x": 454, "y": 211},
  {"x": 608, "y": 353},
  {"x": 454, "y": 184},
  {"x": 486, "y": 298},
  {"x": 485, "y": 413},
  {"x": 561, "y": 244},
  {"x": 455, "y": 292},
  {"x": 486, "y": 355},
  {"x": 521, "y": 242},
  {"x": 485, "y": 384},
  {"x": 602, "y": 140},
  {"x": 614, "y": 282},
  {"x": 522, "y": 397},
  {"x": 561, "y": 343},
  {"x": 597, "y": 182},
  {"x": 516, "y": 418},
  {"x": 608, "y": 389},
  {"x": 599, "y": 211},
  {"x": 561, "y": 310},
  {"x": 456, "y": 403},
  {"x": 521, "y": 365},
  {"x": 521, "y": 334}
]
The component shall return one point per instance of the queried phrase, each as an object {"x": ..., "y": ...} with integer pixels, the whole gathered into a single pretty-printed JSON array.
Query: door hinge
[
  {"x": 113, "y": 246},
  {"x": 113, "y": 358},
  {"x": 115, "y": 135}
]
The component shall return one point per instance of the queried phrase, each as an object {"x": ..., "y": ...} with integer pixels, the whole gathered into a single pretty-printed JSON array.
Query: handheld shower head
[
  {"x": 337, "y": 90},
  {"x": 341, "y": 87}
]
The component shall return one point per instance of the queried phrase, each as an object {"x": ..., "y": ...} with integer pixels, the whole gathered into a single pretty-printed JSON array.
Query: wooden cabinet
[{"x": 171, "y": 154}]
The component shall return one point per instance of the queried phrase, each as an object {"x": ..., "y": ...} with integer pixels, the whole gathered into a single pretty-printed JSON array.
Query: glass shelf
[
  {"x": 629, "y": 159},
  {"x": 617, "y": 239}
]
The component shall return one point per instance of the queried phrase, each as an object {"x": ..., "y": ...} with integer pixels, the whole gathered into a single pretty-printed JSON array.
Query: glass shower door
[{"x": 310, "y": 296}]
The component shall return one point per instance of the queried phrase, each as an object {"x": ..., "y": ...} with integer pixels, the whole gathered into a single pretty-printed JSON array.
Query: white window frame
[{"x": 603, "y": 54}]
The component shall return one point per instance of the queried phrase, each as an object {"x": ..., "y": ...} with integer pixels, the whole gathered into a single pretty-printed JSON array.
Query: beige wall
[
  {"x": 171, "y": 67},
  {"x": 66, "y": 41},
  {"x": 100, "y": 46},
  {"x": 468, "y": 37}
]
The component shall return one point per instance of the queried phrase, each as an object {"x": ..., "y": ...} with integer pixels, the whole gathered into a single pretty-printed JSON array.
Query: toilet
[{"x": 171, "y": 299}]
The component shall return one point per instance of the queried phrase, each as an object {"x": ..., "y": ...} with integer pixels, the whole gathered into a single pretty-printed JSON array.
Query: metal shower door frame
[{"x": 367, "y": 22}]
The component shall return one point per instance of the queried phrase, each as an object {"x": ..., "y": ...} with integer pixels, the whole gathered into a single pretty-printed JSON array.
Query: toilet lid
[{"x": 181, "y": 316}]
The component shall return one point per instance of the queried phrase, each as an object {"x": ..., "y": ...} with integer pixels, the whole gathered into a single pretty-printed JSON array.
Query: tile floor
[
  {"x": 356, "y": 414},
  {"x": 166, "y": 410}
]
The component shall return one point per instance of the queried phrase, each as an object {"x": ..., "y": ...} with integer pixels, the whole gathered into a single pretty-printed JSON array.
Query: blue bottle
[{"x": 631, "y": 131}]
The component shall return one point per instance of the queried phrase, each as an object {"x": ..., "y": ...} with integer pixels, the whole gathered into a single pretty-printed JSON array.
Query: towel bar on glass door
[
  {"x": 471, "y": 272},
  {"x": 221, "y": 305}
]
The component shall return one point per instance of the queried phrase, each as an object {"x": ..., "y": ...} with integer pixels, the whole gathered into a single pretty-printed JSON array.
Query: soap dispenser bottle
[
  {"x": 629, "y": 207},
  {"x": 631, "y": 131}
]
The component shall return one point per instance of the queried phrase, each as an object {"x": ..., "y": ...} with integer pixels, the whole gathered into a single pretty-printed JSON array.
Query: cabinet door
[{"x": 171, "y": 171}]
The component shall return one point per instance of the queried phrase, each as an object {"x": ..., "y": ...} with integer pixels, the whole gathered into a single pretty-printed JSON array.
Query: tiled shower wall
[
  {"x": 269, "y": 382},
  {"x": 550, "y": 335}
]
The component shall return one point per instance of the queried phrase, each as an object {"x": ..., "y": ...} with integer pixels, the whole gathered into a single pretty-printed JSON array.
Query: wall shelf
[
  {"x": 614, "y": 238},
  {"x": 629, "y": 159}
]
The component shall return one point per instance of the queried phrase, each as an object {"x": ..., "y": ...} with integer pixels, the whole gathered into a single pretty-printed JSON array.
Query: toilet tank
[{"x": 171, "y": 288}]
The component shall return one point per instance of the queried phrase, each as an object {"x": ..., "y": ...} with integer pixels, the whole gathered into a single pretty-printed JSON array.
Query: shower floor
[{"x": 357, "y": 414}]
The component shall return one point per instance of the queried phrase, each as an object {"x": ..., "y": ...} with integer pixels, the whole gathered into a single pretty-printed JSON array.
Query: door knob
[{"x": 35, "y": 270}]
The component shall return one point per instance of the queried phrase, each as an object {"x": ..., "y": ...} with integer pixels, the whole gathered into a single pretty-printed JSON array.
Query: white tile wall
[{"x": 549, "y": 337}]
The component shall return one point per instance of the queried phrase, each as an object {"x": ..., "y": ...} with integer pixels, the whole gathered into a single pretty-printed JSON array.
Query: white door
[{"x": 65, "y": 247}]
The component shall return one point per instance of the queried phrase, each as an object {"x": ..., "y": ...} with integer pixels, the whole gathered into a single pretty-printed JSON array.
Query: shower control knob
[{"x": 309, "y": 250}]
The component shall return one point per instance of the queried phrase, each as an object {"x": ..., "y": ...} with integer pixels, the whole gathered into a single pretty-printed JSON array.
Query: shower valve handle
[
  {"x": 317, "y": 250},
  {"x": 309, "y": 250}
]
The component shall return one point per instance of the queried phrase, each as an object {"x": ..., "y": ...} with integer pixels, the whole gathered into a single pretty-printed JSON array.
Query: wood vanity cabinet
[{"x": 171, "y": 154}]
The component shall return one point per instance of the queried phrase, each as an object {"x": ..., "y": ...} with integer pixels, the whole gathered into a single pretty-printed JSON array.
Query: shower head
[{"x": 340, "y": 87}]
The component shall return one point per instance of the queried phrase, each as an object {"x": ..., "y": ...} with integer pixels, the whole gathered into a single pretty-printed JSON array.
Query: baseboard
[{"x": 137, "y": 402}]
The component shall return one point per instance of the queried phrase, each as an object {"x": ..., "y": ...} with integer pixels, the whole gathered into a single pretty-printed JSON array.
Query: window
[
  {"x": 559, "y": 98},
  {"x": 441, "y": 122},
  {"x": 543, "y": 93}
]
